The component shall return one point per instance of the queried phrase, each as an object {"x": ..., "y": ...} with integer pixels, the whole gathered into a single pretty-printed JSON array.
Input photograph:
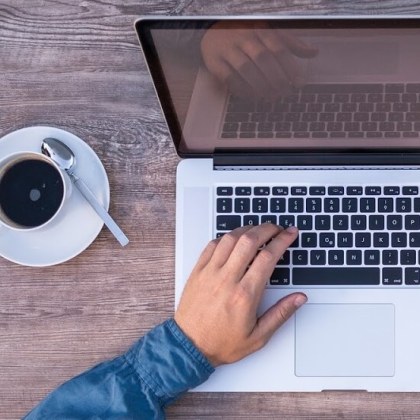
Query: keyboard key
[
  {"x": 376, "y": 222},
  {"x": 392, "y": 276},
  {"x": 249, "y": 127},
  {"x": 251, "y": 220},
  {"x": 336, "y": 257},
  {"x": 367, "y": 205},
  {"x": 354, "y": 190},
  {"x": 322, "y": 222},
  {"x": 362, "y": 240},
  {"x": 390, "y": 257},
  {"x": 307, "y": 276},
  {"x": 299, "y": 191},
  {"x": 385, "y": 205},
  {"x": 243, "y": 190},
  {"x": 349, "y": 205},
  {"x": 331, "y": 205},
  {"x": 280, "y": 277},
  {"x": 286, "y": 221},
  {"x": 391, "y": 190},
  {"x": 398, "y": 239},
  {"x": 317, "y": 190},
  {"x": 269, "y": 219},
  {"x": 313, "y": 205},
  {"x": 407, "y": 257},
  {"x": 354, "y": 257},
  {"x": 242, "y": 205},
  {"x": 373, "y": 190},
  {"x": 236, "y": 117},
  {"x": 372, "y": 257},
  {"x": 410, "y": 190},
  {"x": 304, "y": 222},
  {"x": 230, "y": 126},
  {"x": 228, "y": 222},
  {"x": 318, "y": 257},
  {"x": 284, "y": 259},
  {"x": 412, "y": 276},
  {"x": 300, "y": 257},
  {"x": 224, "y": 205},
  {"x": 229, "y": 135},
  {"x": 358, "y": 222},
  {"x": 277, "y": 205},
  {"x": 336, "y": 190},
  {"x": 280, "y": 190},
  {"x": 412, "y": 222},
  {"x": 381, "y": 240},
  {"x": 414, "y": 240},
  {"x": 344, "y": 240},
  {"x": 260, "y": 205},
  {"x": 261, "y": 191},
  {"x": 394, "y": 222},
  {"x": 403, "y": 205},
  {"x": 295, "y": 205},
  {"x": 327, "y": 240},
  {"x": 340, "y": 222},
  {"x": 309, "y": 240},
  {"x": 224, "y": 190}
]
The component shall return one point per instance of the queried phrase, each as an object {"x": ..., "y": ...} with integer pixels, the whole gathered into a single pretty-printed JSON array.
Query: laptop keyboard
[
  {"x": 329, "y": 111},
  {"x": 349, "y": 235}
]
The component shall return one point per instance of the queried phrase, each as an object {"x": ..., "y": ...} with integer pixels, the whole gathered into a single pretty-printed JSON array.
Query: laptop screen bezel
[{"x": 145, "y": 25}]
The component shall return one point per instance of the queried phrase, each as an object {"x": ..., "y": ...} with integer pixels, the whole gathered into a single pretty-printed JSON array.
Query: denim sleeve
[{"x": 136, "y": 385}]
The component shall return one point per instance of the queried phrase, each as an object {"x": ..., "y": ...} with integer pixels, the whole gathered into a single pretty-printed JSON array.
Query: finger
[
  {"x": 276, "y": 316},
  {"x": 248, "y": 71},
  {"x": 226, "y": 245},
  {"x": 206, "y": 254},
  {"x": 264, "y": 263},
  {"x": 247, "y": 247},
  {"x": 268, "y": 65},
  {"x": 283, "y": 46}
]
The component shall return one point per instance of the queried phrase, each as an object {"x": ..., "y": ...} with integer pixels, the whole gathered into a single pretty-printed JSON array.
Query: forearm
[{"x": 138, "y": 384}]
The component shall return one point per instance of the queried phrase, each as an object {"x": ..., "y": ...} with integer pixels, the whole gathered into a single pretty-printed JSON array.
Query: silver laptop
[{"x": 313, "y": 122}]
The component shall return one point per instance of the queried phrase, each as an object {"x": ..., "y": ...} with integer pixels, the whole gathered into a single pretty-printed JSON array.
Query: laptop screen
[{"x": 286, "y": 84}]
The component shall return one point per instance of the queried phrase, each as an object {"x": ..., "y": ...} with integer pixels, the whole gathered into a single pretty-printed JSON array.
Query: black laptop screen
[{"x": 286, "y": 84}]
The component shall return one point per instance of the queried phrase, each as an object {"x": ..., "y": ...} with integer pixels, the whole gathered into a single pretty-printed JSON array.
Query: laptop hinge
[{"x": 244, "y": 160}]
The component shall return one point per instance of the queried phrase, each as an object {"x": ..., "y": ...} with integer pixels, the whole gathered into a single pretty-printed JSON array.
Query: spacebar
[{"x": 335, "y": 276}]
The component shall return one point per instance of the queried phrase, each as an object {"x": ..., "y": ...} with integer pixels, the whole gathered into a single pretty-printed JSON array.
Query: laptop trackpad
[{"x": 345, "y": 340}]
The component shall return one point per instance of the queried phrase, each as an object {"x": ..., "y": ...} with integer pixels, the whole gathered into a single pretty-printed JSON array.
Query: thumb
[{"x": 277, "y": 315}]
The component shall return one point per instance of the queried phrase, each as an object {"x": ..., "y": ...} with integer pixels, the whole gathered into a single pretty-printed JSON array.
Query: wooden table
[{"x": 77, "y": 65}]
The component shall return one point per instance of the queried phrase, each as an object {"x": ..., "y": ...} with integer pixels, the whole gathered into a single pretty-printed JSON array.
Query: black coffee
[{"x": 31, "y": 192}]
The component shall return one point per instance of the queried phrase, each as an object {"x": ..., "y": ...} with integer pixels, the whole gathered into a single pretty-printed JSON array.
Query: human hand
[
  {"x": 256, "y": 61},
  {"x": 218, "y": 308}
]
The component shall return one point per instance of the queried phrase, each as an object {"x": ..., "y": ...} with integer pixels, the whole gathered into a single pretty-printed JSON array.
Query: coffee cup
[{"x": 33, "y": 190}]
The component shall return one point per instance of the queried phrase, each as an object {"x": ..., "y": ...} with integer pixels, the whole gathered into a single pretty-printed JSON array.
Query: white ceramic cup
[{"x": 20, "y": 196}]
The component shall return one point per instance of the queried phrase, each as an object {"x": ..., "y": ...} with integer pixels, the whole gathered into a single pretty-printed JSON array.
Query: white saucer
[{"x": 77, "y": 225}]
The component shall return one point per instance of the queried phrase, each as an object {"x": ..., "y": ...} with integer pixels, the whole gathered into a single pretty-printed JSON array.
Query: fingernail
[
  {"x": 300, "y": 300},
  {"x": 292, "y": 229}
]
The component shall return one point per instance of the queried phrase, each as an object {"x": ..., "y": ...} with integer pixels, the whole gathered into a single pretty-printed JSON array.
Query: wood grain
[{"x": 76, "y": 65}]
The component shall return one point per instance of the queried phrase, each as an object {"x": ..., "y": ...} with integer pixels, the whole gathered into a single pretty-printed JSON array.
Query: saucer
[{"x": 77, "y": 225}]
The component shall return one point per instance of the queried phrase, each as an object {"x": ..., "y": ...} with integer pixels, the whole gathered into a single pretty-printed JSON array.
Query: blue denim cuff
[{"x": 168, "y": 362}]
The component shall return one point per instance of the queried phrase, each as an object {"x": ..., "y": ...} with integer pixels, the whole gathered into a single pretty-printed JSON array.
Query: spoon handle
[{"x": 103, "y": 214}]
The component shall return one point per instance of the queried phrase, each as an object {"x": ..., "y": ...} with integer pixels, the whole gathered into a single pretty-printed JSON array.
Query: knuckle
[
  {"x": 213, "y": 244},
  {"x": 266, "y": 255},
  {"x": 243, "y": 295},
  {"x": 229, "y": 238},
  {"x": 249, "y": 240},
  {"x": 283, "y": 314}
]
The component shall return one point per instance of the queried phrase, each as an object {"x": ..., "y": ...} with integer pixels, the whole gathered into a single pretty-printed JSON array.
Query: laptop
[{"x": 313, "y": 122}]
